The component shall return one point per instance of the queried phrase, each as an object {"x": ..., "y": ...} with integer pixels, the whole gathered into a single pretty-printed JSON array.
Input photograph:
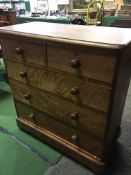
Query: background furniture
[
  {"x": 108, "y": 20},
  {"x": 7, "y": 17},
  {"x": 125, "y": 10},
  {"x": 24, "y": 19},
  {"x": 125, "y": 23}
]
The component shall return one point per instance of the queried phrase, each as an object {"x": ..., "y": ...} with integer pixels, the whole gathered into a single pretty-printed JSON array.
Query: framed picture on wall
[{"x": 79, "y": 5}]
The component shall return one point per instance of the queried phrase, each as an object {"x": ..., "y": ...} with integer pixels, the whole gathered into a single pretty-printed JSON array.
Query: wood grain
[
  {"x": 120, "y": 89},
  {"x": 56, "y": 127},
  {"x": 69, "y": 84},
  {"x": 93, "y": 65},
  {"x": 32, "y": 53},
  {"x": 67, "y": 148},
  {"x": 91, "y": 121},
  {"x": 90, "y": 94},
  {"x": 94, "y": 36}
]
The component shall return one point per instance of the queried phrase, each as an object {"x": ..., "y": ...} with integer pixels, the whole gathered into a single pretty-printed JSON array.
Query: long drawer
[
  {"x": 21, "y": 51},
  {"x": 83, "y": 118},
  {"x": 72, "y": 87},
  {"x": 96, "y": 65},
  {"x": 52, "y": 126}
]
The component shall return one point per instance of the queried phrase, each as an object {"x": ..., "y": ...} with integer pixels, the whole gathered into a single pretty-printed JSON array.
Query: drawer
[
  {"x": 64, "y": 132},
  {"x": 27, "y": 52},
  {"x": 95, "y": 65},
  {"x": 77, "y": 89},
  {"x": 77, "y": 116}
]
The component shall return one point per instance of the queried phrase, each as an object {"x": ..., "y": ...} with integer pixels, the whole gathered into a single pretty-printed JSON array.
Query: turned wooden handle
[
  {"x": 23, "y": 74},
  {"x": 74, "y": 91},
  {"x": 27, "y": 96},
  {"x": 74, "y": 115},
  {"x": 75, "y": 63},
  {"x": 31, "y": 116},
  {"x": 74, "y": 138},
  {"x": 19, "y": 51}
]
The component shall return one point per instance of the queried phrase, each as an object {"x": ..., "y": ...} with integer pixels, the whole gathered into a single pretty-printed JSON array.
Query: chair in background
[{"x": 94, "y": 12}]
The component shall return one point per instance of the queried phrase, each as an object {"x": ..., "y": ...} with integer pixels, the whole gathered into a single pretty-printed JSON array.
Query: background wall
[
  {"x": 33, "y": 4},
  {"x": 52, "y": 4}
]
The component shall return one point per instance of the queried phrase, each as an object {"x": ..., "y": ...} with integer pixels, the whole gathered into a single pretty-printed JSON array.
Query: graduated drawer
[
  {"x": 59, "y": 130},
  {"x": 24, "y": 51},
  {"x": 93, "y": 64},
  {"x": 77, "y": 89},
  {"x": 80, "y": 117}
]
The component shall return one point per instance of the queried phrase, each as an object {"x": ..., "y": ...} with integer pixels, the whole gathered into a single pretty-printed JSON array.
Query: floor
[
  {"x": 32, "y": 156},
  {"x": 120, "y": 162}
]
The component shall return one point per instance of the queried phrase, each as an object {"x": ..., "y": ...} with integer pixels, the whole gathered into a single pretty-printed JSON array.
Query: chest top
[{"x": 107, "y": 37}]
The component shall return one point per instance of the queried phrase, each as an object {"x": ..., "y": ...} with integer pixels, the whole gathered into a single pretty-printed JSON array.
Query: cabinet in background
[{"x": 7, "y": 17}]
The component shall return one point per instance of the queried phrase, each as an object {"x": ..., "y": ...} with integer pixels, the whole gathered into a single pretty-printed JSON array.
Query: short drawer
[
  {"x": 56, "y": 128},
  {"x": 64, "y": 85},
  {"x": 95, "y": 65},
  {"x": 27, "y": 52},
  {"x": 83, "y": 118}
]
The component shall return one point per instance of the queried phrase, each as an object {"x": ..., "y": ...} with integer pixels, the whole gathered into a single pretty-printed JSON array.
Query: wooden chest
[
  {"x": 7, "y": 17},
  {"x": 69, "y": 85}
]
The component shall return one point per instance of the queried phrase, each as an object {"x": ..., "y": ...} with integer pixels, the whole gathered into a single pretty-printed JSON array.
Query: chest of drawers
[{"x": 69, "y": 84}]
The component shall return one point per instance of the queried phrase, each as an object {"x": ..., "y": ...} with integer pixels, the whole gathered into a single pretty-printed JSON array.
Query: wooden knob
[
  {"x": 74, "y": 137},
  {"x": 27, "y": 96},
  {"x": 74, "y": 115},
  {"x": 23, "y": 74},
  {"x": 19, "y": 51},
  {"x": 75, "y": 63},
  {"x": 74, "y": 91},
  {"x": 31, "y": 116}
]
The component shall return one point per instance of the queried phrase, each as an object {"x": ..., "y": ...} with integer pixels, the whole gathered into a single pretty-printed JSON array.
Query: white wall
[
  {"x": 62, "y": 2},
  {"x": 33, "y": 4},
  {"x": 52, "y": 5}
]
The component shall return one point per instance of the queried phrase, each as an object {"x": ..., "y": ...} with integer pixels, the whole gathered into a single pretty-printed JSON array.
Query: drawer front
[
  {"x": 27, "y": 52},
  {"x": 93, "y": 65},
  {"x": 79, "y": 90},
  {"x": 85, "y": 119},
  {"x": 73, "y": 136}
]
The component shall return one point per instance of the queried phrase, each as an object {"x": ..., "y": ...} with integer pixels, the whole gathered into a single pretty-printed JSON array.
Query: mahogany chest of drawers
[{"x": 69, "y": 85}]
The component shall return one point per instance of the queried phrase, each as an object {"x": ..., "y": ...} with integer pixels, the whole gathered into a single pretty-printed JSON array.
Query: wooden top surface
[{"x": 97, "y": 36}]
